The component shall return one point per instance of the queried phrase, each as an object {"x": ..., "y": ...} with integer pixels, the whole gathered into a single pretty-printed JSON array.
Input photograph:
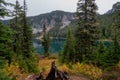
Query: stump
[{"x": 54, "y": 74}]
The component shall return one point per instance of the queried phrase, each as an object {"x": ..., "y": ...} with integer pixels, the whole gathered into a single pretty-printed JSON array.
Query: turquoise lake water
[{"x": 56, "y": 46}]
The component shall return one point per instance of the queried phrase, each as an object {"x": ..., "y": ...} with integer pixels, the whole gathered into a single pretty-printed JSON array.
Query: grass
[
  {"x": 44, "y": 65},
  {"x": 73, "y": 69},
  {"x": 87, "y": 70}
]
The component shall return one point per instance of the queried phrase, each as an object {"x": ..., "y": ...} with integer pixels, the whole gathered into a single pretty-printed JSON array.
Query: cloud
[{"x": 36, "y": 7}]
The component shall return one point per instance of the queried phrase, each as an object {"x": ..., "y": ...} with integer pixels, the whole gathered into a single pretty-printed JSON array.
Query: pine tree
[
  {"x": 6, "y": 52},
  {"x": 3, "y": 10},
  {"x": 100, "y": 55},
  {"x": 27, "y": 34},
  {"x": 86, "y": 33},
  {"x": 46, "y": 41},
  {"x": 68, "y": 54},
  {"x": 28, "y": 60},
  {"x": 23, "y": 39},
  {"x": 6, "y": 43},
  {"x": 17, "y": 28}
]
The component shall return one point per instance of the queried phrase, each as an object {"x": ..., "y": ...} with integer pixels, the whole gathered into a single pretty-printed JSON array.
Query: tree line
[
  {"x": 16, "y": 39},
  {"x": 86, "y": 45}
]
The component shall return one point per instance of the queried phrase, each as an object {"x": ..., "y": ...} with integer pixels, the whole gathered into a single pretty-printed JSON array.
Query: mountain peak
[
  {"x": 57, "y": 11},
  {"x": 115, "y": 7}
]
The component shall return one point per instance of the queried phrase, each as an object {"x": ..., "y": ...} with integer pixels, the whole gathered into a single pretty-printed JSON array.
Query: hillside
[
  {"x": 105, "y": 22},
  {"x": 56, "y": 22}
]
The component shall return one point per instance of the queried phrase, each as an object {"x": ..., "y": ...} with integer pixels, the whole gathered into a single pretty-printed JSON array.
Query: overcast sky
[{"x": 36, "y": 7}]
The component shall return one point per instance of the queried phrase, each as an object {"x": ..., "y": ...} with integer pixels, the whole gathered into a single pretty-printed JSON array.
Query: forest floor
[{"x": 44, "y": 65}]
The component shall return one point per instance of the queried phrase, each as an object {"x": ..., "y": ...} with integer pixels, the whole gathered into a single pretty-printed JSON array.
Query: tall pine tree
[
  {"x": 68, "y": 54},
  {"x": 27, "y": 34},
  {"x": 87, "y": 29},
  {"x": 15, "y": 24},
  {"x": 6, "y": 52},
  {"x": 45, "y": 41}
]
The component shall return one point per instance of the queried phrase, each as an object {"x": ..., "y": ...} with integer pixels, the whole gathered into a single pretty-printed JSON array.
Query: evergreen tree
[
  {"x": 45, "y": 41},
  {"x": 86, "y": 33},
  {"x": 68, "y": 54},
  {"x": 23, "y": 39},
  {"x": 6, "y": 52},
  {"x": 28, "y": 60},
  {"x": 27, "y": 34},
  {"x": 15, "y": 24},
  {"x": 6, "y": 43},
  {"x": 3, "y": 10},
  {"x": 100, "y": 55},
  {"x": 107, "y": 57}
]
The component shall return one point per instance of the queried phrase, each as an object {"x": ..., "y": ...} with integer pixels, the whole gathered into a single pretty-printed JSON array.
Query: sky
[{"x": 36, "y": 7}]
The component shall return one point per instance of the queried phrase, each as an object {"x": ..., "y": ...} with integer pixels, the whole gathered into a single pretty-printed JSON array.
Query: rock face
[
  {"x": 53, "y": 19},
  {"x": 115, "y": 7}
]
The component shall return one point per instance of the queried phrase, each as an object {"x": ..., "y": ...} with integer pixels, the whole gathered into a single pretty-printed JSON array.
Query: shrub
[
  {"x": 14, "y": 72},
  {"x": 93, "y": 72},
  {"x": 66, "y": 68},
  {"x": 79, "y": 68},
  {"x": 4, "y": 76},
  {"x": 28, "y": 65}
]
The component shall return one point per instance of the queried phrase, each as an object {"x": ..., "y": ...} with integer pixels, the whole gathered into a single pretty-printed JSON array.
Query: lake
[{"x": 56, "y": 46}]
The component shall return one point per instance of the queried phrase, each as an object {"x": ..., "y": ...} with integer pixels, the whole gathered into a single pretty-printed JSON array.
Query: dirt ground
[
  {"x": 73, "y": 77},
  {"x": 78, "y": 78}
]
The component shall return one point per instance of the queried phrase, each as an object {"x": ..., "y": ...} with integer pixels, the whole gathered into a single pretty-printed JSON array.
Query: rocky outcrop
[
  {"x": 53, "y": 19},
  {"x": 115, "y": 7}
]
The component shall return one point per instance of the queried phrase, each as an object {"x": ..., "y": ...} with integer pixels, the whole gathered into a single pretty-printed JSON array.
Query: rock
[{"x": 31, "y": 77}]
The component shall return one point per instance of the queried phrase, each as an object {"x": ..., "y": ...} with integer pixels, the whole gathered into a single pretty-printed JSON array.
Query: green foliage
[
  {"x": 68, "y": 53},
  {"x": 3, "y": 10},
  {"x": 106, "y": 57},
  {"x": 4, "y": 76},
  {"x": 2, "y": 62},
  {"x": 5, "y": 37},
  {"x": 86, "y": 33},
  {"x": 26, "y": 35},
  {"x": 6, "y": 43},
  {"x": 28, "y": 65},
  {"x": 27, "y": 57},
  {"x": 45, "y": 41},
  {"x": 6, "y": 53},
  {"x": 23, "y": 46},
  {"x": 111, "y": 54},
  {"x": 99, "y": 54}
]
